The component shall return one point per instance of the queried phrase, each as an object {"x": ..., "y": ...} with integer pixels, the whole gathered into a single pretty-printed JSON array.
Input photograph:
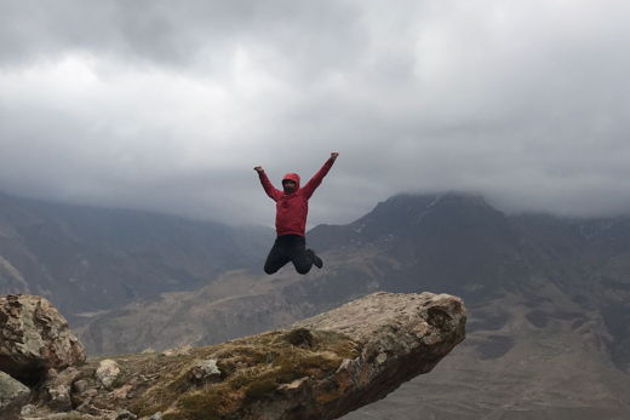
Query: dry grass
[{"x": 252, "y": 369}]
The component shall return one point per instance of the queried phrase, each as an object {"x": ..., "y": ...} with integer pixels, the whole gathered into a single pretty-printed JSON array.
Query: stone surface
[
  {"x": 125, "y": 415},
  {"x": 13, "y": 395},
  {"x": 57, "y": 388},
  {"x": 204, "y": 370},
  {"x": 400, "y": 336},
  {"x": 107, "y": 372},
  {"x": 320, "y": 368},
  {"x": 34, "y": 337}
]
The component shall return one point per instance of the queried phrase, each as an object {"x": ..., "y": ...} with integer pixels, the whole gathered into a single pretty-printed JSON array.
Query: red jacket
[{"x": 292, "y": 209}]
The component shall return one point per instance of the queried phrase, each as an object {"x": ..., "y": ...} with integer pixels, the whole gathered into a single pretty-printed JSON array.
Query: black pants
[{"x": 289, "y": 248}]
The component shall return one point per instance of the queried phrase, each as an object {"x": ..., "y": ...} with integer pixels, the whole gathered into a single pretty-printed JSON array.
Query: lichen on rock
[
  {"x": 34, "y": 337},
  {"x": 107, "y": 372}
]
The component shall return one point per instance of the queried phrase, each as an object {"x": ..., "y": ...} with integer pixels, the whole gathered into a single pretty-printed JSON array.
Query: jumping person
[{"x": 291, "y": 212}]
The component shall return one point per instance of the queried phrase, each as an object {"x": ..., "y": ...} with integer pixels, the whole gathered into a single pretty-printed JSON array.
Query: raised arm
[
  {"x": 314, "y": 182},
  {"x": 271, "y": 191}
]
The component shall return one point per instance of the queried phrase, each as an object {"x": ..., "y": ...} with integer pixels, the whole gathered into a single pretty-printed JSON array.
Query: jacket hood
[{"x": 293, "y": 177}]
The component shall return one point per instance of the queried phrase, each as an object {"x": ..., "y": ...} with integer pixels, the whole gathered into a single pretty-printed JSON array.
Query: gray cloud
[{"x": 168, "y": 106}]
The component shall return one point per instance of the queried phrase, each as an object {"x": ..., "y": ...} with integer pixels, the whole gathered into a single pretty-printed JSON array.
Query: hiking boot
[{"x": 316, "y": 260}]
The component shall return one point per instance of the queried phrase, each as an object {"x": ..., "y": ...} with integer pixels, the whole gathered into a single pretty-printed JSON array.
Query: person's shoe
[{"x": 316, "y": 260}]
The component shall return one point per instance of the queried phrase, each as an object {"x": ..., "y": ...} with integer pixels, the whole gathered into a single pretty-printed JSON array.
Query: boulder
[
  {"x": 204, "y": 370},
  {"x": 34, "y": 337},
  {"x": 56, "y": 390},
  {"x": 107, "y": 372}
]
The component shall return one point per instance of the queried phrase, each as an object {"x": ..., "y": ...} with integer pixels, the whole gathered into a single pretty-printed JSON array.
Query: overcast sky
[{"x": 168, "y": 105}]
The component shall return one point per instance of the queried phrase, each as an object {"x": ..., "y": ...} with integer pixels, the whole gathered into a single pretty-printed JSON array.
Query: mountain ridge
[{"x": 88, "y": 259}]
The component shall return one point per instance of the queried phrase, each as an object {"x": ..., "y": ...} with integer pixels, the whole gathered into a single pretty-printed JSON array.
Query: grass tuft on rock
[{"x": 251, "y": 369}]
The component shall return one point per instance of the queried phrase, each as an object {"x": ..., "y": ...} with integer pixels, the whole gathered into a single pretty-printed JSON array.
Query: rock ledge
[{"x": 320, "y": 368}]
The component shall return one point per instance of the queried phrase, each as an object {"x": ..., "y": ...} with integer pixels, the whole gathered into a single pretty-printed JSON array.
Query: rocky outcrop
[
  {"x": 320, "y": 368},
  {"x": 34, "y": 337},
  {"x": 400, "y": 336}
]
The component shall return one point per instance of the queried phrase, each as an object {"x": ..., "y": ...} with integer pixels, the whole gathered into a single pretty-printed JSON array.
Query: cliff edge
[{"x": 320, "y": 368}]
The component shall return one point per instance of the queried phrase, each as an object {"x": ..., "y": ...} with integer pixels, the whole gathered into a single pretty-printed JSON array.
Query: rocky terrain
[{"x": 320, "y": 368}]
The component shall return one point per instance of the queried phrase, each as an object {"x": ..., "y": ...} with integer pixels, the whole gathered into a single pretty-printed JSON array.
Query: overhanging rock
[
  {"x": 400, "y": 336},
  {"x": 320, "y": 368}
]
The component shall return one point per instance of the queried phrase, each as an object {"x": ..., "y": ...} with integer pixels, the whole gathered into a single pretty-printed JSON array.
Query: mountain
[
  {"x": 447, "y": 242},
  {"x": 87, "y": 259},
  {"x": 548, "y": 300}
]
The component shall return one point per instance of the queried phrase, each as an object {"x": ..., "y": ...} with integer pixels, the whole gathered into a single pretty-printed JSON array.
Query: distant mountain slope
[
  {"x": 443, "y": 242},
  {"x": 88, "y": 259}
]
